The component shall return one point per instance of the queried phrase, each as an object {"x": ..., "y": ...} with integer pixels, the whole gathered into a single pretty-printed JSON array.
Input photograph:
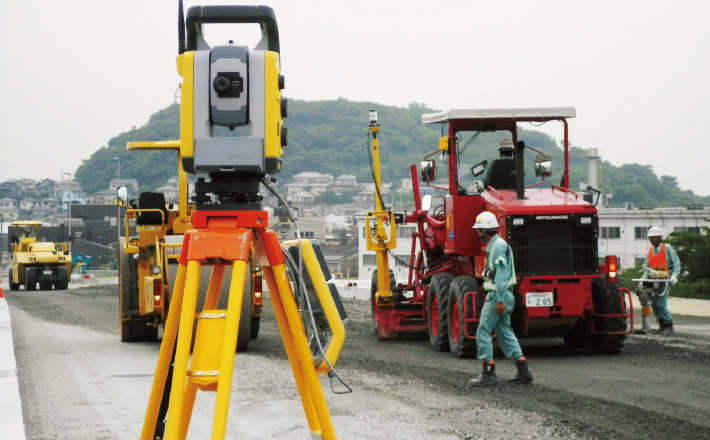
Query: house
[
  {"x": 73, "y": 198},
  {"x": 171, "y": 193},
  {"x": 105, "y": 197},
  {"x": 65, "y": 185},
  {"x": 302, "y": 197},
  {"x": 45, "y": 186},
  {"x": 130, "y": 184},
  {"x": 49, "y": 203},
  {"x": 7, "y": 202},
  {"x": 314, "y": 183},
  {"x": 345, "y": 181},
  {"x": 28, "y": 203}
]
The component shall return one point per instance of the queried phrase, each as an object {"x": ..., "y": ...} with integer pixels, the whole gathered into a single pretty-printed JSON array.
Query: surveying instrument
[{"x": 232, "y": 137}]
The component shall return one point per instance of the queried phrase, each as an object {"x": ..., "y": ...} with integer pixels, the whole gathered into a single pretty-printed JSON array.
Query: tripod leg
[
  {"x": 215, "y": 286},
  {"x": 290, "y": 347},
  {"x": 229, "y": 346},
  {"x": 182, "y": 355},
  {"x": 162, "y": 371},
  {"x": 303, "y": 351}
]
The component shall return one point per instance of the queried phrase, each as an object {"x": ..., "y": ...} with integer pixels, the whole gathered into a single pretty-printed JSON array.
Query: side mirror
[
  {"x": 478, "y": 169},
  {"x": 426, "y": 202},
  {"x": 121, "y": 196},
  {"x": 428, "y": 170},
  {"x": 543, "y": 165}
]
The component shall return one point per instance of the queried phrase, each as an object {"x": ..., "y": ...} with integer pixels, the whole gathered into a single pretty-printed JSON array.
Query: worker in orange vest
[{"x": 662, "y": 257}]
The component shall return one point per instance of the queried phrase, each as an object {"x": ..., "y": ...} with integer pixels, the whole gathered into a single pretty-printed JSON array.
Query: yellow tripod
[{"x": 224, "y": 238}]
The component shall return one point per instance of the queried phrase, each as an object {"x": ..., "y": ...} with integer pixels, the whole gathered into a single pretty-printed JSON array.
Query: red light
[{"x": 612, "y": 268}]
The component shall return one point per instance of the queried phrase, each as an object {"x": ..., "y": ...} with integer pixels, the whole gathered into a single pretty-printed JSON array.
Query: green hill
[{"x": 331, "y": 137}]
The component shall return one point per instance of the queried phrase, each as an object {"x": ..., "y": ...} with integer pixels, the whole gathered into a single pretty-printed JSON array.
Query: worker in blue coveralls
[
  {"x": 499, "y": 279},
  {"x": 662, "y": 258}
]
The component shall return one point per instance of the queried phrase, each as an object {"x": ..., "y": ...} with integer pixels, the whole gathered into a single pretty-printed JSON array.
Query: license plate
[
  {"x": 538, "y": 299},
  {"x": 48, "y": 272}
]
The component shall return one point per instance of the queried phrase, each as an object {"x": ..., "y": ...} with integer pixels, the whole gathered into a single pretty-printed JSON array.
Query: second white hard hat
[{"x": 655, "y": 231}]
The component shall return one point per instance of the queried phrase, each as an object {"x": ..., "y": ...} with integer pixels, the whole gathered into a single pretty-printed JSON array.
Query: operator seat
[
  {"x": 502, "y": 174},
  {"x": 152, "y": 200}
]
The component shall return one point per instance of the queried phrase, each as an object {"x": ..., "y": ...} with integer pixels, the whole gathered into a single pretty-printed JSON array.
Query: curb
[{"x": 11, "y": 424}]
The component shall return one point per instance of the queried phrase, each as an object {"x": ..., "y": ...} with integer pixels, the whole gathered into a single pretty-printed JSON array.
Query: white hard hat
[
  {"x": 486, "y": 220},
  {"x": 655, "y": 231}
]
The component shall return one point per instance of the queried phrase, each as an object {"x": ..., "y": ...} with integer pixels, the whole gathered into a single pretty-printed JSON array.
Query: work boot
[
  {"x": 486, "y": 378},
  {"x": 524, "y": 374},
  {"x": 660, "y": 329},
  {"x": 668, "y": 328}
]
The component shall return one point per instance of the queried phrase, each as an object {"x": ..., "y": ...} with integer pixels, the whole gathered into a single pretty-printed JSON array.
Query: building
[
  {"x": 622, "y": 232},
  {"x": 130, "y": 184}
]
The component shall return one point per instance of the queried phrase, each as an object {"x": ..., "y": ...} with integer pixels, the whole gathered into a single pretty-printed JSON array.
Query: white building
[{"x": 622, "y": 232}]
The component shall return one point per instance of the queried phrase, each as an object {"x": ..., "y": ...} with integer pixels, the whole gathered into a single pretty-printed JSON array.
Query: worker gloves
[
  {"x": 489, "y": 273},
  {"x": 500, "y": 308},
  {"x": 674, "y": 280}
]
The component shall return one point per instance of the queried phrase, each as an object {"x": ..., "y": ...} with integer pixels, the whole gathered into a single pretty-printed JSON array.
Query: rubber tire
[
  {"x": 439, "y": 292},
  {"x": 255, "y": 323},
  {"x": 62, "y": 279},
  {"x": 578, "y": 336},
  {"x": 465, "y": 347},
  {"x": 30, "y": 279},
  {"x": 607, "y": 301},
  {"x": 373, "y": 291},
  {"x": 135, "y": 330},
  {"x": 13, "y": 286},
  {"x": 245, "y": 324}
]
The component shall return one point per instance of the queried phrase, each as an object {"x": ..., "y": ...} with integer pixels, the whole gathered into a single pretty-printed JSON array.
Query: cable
[
  {"x": 301, "y": 288},
  {"x": 372, "y": 170}
]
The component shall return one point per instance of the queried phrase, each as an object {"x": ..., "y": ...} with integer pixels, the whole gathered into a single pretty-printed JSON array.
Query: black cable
[{"x": 372, "y": 170}]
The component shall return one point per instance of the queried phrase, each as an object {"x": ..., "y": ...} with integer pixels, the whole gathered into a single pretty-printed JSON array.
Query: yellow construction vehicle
[
  {"x": 148, "y": 261},
  {"x": 33, "y": 261}
]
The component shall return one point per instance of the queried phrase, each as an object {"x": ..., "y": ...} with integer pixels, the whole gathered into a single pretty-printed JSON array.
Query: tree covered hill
[{"x": 331, "y": 137}]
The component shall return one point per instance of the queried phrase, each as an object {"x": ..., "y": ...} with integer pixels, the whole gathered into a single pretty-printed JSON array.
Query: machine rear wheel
[
  {"x": 13, "y": 286},
  {"x": 461, "y": 345},
  {"x": 62, "y": 279},
  {"x": 607, "y": 301},
  {"x": 135, "y": 329},
  {"x": 30, "y": 279},
  {"x": 437, "y": 311},
  {"x": 255, "y": 323}
]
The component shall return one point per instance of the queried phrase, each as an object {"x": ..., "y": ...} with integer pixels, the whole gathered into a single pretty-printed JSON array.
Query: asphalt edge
[{"x": 11, "y": 423}]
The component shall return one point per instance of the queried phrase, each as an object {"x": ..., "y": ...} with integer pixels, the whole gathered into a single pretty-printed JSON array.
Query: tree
[{"x": 694, "y": 253}]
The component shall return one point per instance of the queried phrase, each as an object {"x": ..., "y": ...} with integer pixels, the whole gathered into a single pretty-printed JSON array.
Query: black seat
[
  {"x": 152, "y": 200},
  {"x": 502, "y": 174}
]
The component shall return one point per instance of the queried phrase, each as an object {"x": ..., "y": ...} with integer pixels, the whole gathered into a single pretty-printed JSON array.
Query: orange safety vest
[{"x": 658, "y": 262}]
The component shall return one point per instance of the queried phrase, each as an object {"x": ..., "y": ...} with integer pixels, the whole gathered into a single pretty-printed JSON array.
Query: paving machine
[
  {"x": 563, "y": 286},
  {"x": 36, "y": 262}
]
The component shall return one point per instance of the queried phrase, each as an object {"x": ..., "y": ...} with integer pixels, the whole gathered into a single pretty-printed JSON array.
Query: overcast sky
[{"x": 73, "y": 74}]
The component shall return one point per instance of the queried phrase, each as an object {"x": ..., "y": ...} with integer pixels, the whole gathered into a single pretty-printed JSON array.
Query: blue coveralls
[
  {"x": 500, "y": 259},
  {"x": 660, "y": 304}
]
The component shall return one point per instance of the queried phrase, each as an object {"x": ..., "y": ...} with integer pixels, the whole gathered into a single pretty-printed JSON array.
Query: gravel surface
[{"x": 79, "y": 381}]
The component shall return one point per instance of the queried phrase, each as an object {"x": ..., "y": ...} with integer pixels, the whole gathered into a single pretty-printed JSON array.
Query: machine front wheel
[
  {"x": 437, "y": 311},
  {"x": 461, "y": 345}
]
